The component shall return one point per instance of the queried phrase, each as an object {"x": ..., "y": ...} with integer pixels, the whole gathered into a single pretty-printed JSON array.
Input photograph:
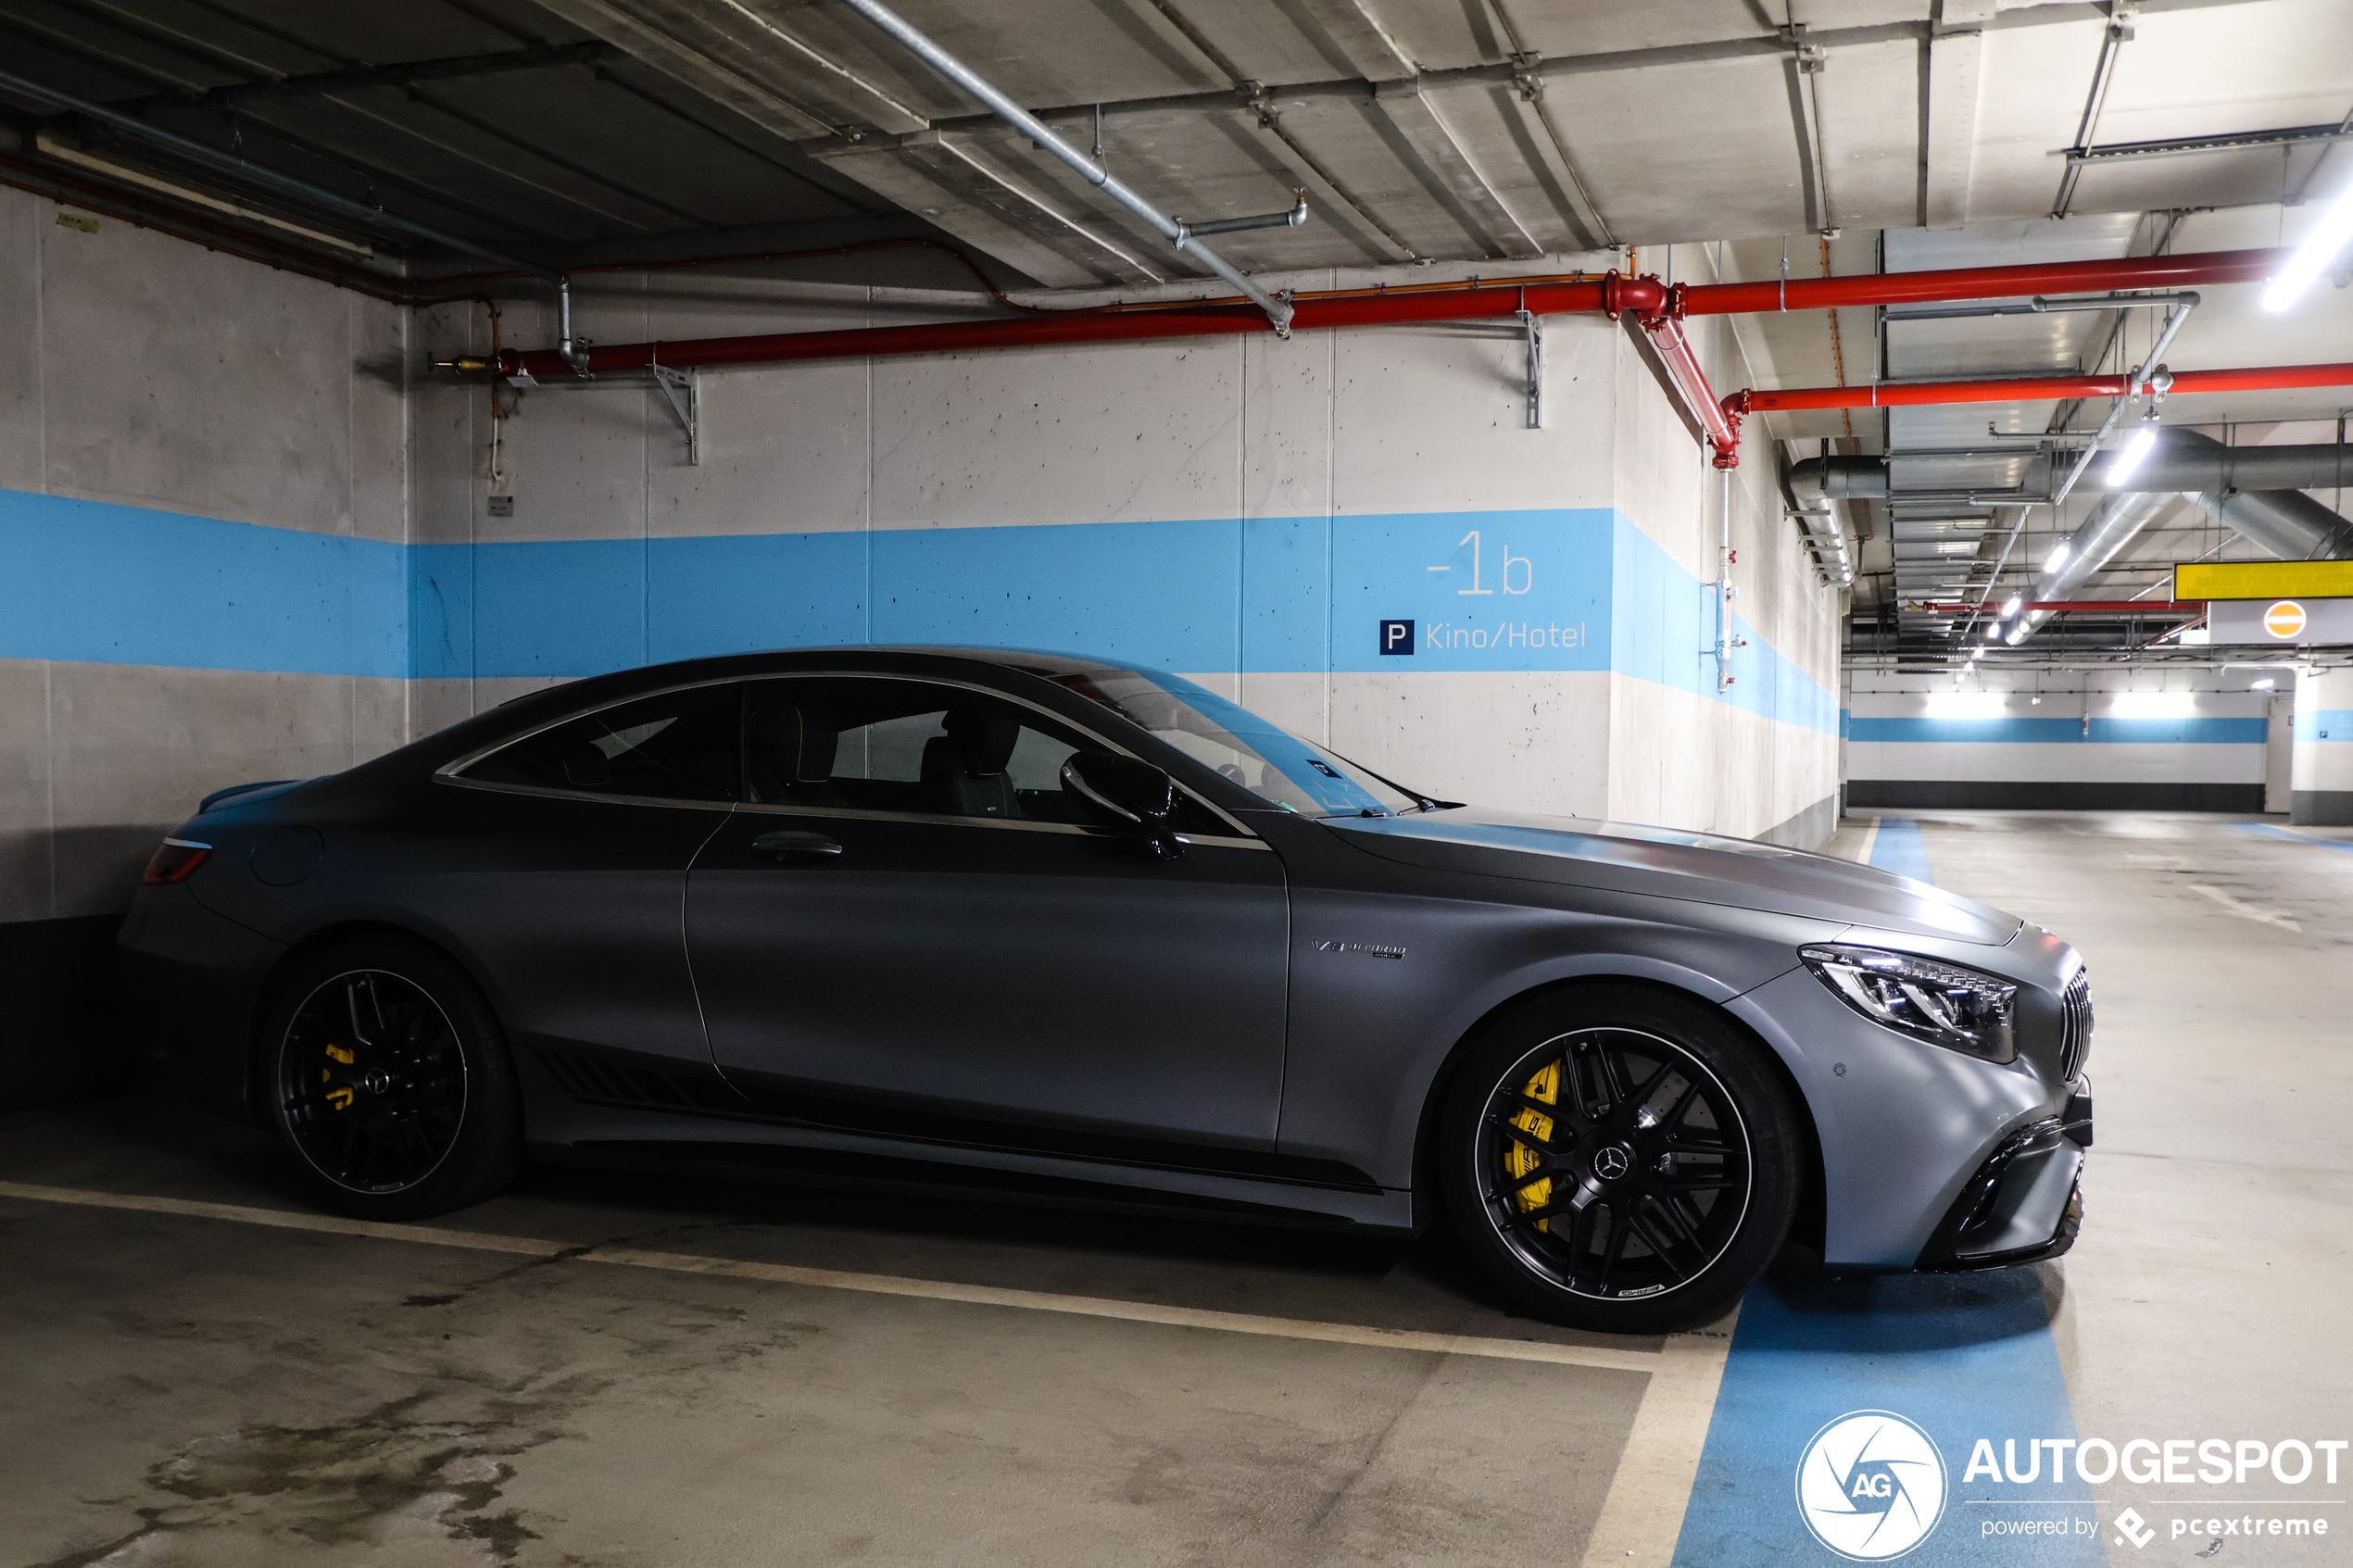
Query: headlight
[{"x": 1944, "y": 1004}]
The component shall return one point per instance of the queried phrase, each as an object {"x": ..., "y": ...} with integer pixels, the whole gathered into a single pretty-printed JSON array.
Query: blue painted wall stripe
[
  {"x": 2063, "y": 732},
  {"x": 104, "y": 584},
  {"x": 1567, "y": 590},
  {"x": 2330, "y": 725},
  {"x": 1964, "y": 1356}
]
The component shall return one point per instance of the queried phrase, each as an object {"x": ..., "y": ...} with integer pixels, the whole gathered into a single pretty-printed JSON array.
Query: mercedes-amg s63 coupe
[{"x": 1051, "y": 926}]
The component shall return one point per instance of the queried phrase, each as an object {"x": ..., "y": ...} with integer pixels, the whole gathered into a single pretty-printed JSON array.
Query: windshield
[{"x": 1258, "y": 755}]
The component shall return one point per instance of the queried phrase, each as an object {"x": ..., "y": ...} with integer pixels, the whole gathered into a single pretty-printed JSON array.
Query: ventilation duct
[{"x": 2094, "y": 545}]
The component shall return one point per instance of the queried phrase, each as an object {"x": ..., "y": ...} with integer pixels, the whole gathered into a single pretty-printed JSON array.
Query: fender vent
[{"x": 607, "y": 1081}]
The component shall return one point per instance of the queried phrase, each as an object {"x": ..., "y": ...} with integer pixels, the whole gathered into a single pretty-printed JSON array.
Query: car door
[
  {"x": 559, "y": 861},
  {"x": 908, "y": 929}
]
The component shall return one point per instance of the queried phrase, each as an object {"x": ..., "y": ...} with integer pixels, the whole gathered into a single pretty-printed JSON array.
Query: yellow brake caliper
[
  {"x": 1522, "y": 1159},
  {"x": 340, "y": 1098}
]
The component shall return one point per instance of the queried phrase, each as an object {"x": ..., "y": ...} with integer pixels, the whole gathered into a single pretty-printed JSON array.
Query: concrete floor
[{"x": 185, "y": 1389}]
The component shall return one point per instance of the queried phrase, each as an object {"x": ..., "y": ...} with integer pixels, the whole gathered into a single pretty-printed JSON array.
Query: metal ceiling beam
[
  {"x": 1091, "y": 170},
  {"x": 1951, "y": 77},
  {"x": 757, "y": 102},
  {"x": 2291, "y": 136},
  {"x": 1430, "y": 147},
  {"x": 1253, "y": 98},
  {"x": 2119, "y": 33}
]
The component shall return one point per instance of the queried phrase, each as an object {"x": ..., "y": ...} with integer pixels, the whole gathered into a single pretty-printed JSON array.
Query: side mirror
[{"x": 1125, "y": 794}]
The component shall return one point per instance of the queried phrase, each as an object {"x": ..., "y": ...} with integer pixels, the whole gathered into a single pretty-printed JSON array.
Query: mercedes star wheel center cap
[{"x": 1612, "y": 1163}]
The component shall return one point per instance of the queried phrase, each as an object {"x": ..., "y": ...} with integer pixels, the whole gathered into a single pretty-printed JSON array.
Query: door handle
[{"x": 794, "y": 846}]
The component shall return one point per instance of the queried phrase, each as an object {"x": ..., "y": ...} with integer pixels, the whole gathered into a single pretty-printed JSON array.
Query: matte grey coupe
[{"x": 1037, "y": 925}]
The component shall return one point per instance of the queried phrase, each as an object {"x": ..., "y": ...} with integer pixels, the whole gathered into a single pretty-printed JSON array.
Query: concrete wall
[
  {"x": 203, "y": 500},
  {"x": 2156, "y": 739},
  {"x": 247, "y": 541},
  {"x": 2322, "y": 779},
  {"x": 1246, "y": 511}
]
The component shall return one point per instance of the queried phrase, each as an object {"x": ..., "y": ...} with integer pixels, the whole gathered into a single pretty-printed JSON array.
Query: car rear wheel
[
  {"x": 389, "y": 1081},
  {"x": 1619, "y": 1159}
]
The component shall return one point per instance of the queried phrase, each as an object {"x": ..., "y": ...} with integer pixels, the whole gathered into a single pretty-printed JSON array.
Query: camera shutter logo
[{"x": 1870, "y": 1486}]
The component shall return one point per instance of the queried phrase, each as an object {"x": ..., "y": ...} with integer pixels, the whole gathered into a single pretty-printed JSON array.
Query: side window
[
  {"x": 679, "y": 746},
  {"x": 913, "y": 746}
]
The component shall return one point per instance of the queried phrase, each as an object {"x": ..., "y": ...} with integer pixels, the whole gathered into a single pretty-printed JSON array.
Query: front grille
[{"x": 2075, "y": 1026}]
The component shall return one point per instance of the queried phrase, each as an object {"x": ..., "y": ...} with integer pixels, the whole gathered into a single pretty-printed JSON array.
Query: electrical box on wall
[{"x": 502, "y": 506}]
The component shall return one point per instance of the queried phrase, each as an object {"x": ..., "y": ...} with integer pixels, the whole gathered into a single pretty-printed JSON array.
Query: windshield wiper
[{"x": 1421, "y": 802}]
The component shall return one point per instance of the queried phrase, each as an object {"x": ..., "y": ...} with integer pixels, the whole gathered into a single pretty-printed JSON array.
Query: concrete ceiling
[
  {"x": 1437, "y": 129},
  {"x": 1823, "y": 135}
]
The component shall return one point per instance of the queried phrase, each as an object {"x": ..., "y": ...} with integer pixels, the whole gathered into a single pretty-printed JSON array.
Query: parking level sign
[{"x": 1397, "y": 636}]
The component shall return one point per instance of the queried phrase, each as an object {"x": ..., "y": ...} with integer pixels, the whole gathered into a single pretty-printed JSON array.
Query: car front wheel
[
  {"x": 1619, "y": 1159},
  {"x": 387, "y": 1080}
]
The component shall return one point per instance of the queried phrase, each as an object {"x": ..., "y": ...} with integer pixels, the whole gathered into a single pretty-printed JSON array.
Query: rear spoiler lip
[{"x": 218, "y": 795}]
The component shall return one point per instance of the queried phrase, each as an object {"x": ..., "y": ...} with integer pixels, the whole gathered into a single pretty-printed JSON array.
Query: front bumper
[
  {"x": 1907, "y": 1130},
  {"x": 2025, "y": 1203}
]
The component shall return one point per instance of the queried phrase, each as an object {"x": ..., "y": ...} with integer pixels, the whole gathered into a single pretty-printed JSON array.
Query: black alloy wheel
[
  {"x": 1620, "y": 1158},
  {"x": 389, "y": 1083}
]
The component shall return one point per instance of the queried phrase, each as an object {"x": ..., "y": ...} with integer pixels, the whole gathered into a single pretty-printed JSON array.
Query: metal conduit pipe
[
  {"x": 371, "y": 220},
  {"x": 2151, "y": 375},
  {"x": 1278, "y": 312},
  {"x": 2093, "y": 547}
]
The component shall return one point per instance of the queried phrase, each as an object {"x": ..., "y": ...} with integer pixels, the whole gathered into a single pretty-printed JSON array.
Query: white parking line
[
  {"x": 1642, "y": 1516},
  {"x": 1669, "y": 1367}
]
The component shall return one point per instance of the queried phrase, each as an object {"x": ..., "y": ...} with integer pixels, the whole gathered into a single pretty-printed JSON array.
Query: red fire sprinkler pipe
[
  {"x": 1658, "y": 312},
  {"x": 1657, "y": 309},
  {"x": 2260, "y": 378},
  {"x": 1987, "y": 283}
]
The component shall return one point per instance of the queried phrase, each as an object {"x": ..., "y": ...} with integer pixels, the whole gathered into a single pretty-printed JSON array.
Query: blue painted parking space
[{"x": 1965, "y": 1360}]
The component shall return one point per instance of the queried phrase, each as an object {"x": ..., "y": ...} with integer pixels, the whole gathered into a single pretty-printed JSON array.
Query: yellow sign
[
  {"x": 2285, "y": 618},
  {"x": 2264, "y": 580}
]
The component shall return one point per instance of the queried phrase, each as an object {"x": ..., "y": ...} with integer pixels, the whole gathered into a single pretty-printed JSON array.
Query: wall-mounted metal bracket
[
  {"x": 1535, "y": 327},
  {"x": 683, "y": 392}
]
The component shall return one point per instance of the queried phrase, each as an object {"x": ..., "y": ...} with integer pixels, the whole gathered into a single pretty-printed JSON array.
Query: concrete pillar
[{"x": 2322, "y": 771}]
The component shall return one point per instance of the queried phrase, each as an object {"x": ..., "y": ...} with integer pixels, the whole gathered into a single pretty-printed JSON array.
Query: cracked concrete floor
[{"x": 191, "y": 1391}]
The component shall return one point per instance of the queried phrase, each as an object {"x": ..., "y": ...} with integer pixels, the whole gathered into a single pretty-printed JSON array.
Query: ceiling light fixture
[
  {"x": 2012, "y": 604},
  {"x": 2312, "y": 257},
  {"x": 2135, "y": 449},
  {"x": 2265, "y": 685}
]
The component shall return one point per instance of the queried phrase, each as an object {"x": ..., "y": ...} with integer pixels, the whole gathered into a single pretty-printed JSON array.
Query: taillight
[{"x": 173, "y": 860}]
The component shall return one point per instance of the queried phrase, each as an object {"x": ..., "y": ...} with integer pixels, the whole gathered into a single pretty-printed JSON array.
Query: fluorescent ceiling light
[
  {"x": 1993, "y": 630},
  {"x": 2012, "y": 604},
  {"x": 2057, "y": 558},
  {"x": 2154, "y": 704},
  {"x": 1965, "y": 705},
  {"x": 2265, "y": 685},
  {"x": 2128, "y": 460},
  {"x": 2312, "y": 257}
]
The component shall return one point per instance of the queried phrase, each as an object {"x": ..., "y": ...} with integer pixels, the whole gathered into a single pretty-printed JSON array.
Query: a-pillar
[{"x": 2321, "y": 777}]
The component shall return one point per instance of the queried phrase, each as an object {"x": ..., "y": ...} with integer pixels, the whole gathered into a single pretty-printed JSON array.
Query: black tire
[
  {"x": 1675, "y": 1140},
  {"x": 386, "y": 1078}
]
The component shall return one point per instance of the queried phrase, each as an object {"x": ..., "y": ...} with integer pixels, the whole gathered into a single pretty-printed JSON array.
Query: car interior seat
[
  {"x": 964, "y": 771},
  {"x": 790, "y": 750}
]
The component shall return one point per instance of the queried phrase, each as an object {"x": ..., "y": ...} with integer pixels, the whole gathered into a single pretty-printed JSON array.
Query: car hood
[{"x": 1624, "y": 858}]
